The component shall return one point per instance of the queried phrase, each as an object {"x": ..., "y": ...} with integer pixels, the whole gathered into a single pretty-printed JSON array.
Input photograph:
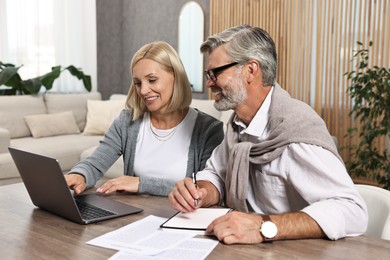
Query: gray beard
[{"x": 231, "y": 96}]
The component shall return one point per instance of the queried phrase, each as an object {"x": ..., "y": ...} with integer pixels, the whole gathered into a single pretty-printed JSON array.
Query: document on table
[
  {"x": 190, "y": 249},
  {"x": 194, "y": 222},
  {"x": 142, "y": 237}
]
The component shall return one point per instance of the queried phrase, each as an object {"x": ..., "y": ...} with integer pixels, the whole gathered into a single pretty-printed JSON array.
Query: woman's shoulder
[
  {"x": 125, "y": 115},
  {"x": 207, "y": 125}
]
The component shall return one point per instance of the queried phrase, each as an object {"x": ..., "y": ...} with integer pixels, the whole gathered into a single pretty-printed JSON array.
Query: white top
[
  {"x": 305, "y": 177},
  {"x": 166, "y": 155}
]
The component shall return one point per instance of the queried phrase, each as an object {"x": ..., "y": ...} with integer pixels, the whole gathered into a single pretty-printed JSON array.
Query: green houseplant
[
  {"x": 370, "y": 91},
  {"x": 14, "y": 84}
]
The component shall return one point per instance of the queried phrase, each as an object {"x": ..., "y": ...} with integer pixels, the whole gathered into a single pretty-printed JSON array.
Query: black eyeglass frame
[{"x": 213, "y": 73}]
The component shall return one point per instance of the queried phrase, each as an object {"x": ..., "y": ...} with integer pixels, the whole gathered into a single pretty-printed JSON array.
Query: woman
[{"x": 156, "y": 133}]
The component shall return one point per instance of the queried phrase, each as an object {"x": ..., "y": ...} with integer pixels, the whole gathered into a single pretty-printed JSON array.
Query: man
[{"x": 277, "y": 165}]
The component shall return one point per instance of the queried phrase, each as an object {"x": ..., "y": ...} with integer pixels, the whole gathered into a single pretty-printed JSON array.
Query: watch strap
[{"x": 265, "y": 218}]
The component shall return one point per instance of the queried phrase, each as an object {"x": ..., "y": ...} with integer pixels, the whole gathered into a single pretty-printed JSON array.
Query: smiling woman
[
  {"x": 161, "y": 138},
  {"x": 41, "y": 34}
]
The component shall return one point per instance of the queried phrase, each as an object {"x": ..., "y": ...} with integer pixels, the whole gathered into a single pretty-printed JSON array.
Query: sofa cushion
[
  {"x": 118, "y": 96},
  {"x": 65, "y": 148},
  {"x": 13, "y": 109},
  {"x": 7, "y": 166},
  {"x": 4, "y": 140},
  {"x": 101, "y": 114},
  {"x": 52, "y": 124},
  {"x": 75, "y": 102},
  {"x": 206, "y": 106}
]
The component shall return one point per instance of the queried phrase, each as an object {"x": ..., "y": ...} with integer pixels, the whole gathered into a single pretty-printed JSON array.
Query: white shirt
[
  {"x": 304, "y": 178},
  {"x": 167, "y": 157}
]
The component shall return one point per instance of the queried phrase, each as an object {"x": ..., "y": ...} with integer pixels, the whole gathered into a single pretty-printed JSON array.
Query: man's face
[{"x": 228, "y": 86}]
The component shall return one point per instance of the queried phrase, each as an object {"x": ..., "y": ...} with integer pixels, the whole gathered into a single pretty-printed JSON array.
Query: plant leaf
[
  {"x": 87, "y": 82},
  {"x": 31, "y": 86},
  {"x": 7, "y": 76},
  {"x": 10, "y": 77},
  {"x": 80, "y": 75},
  {"x": 75, "y": 71},
  {"x": 48, "y": 79}
]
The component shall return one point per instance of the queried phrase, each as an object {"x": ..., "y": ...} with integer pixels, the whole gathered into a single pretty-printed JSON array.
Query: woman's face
[{"x": 154, "y": 85}]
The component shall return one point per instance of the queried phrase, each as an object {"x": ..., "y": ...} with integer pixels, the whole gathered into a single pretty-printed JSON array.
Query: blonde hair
[{"x": 162, "y": 53}]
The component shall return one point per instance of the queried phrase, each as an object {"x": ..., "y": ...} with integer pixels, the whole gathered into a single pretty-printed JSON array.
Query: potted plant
[
  {"x": 370, "y": 92},
  {"x": 14, "y": 84}
]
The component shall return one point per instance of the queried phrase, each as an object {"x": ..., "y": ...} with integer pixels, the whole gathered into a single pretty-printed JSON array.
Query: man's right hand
[
  {"x": 75, "y": 182},
  {"x": 184, "y": 194}
]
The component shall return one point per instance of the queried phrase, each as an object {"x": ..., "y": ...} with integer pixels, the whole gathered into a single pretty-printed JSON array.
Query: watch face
[{"x": 269, "y": 229}]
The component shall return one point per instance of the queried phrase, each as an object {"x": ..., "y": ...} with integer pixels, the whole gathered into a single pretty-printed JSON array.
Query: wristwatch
[{"x": 268, "y": 229}]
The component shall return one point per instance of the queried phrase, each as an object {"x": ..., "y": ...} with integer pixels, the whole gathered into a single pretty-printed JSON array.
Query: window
[{"x": 40, "y": 34}]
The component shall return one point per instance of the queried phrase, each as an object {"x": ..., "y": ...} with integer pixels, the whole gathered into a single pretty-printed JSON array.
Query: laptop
[{"x": 48, "y": 190}]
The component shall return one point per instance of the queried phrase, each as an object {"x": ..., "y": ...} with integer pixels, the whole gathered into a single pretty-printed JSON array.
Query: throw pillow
[
  {"x": 75, "y": 102},
  {"x": 100, "y": 114},
  {"x": 44, "y": 125}
]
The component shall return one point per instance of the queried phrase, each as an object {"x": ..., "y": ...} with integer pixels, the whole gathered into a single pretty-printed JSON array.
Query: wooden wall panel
[{"x": 315, "y": 42}]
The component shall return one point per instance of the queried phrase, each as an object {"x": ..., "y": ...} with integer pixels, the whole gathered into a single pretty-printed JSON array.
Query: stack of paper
[{"x": 145, "y": 240}]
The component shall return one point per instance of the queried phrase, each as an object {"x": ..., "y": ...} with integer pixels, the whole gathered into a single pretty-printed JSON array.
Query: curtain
[{"x": 40, "y": 34}]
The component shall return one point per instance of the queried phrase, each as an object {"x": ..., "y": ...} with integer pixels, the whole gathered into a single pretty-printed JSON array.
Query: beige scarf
[{"x": 290, "y": 121}]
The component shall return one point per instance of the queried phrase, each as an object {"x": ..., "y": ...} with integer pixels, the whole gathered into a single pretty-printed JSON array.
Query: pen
[{"x": 194, "y": 180}]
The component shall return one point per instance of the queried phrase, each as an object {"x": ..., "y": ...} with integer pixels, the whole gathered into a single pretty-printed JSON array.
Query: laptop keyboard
[{"x": 89, "y": 211}]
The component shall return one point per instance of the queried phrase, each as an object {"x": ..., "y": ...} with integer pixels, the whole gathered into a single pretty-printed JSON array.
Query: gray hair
[{"x": 245, "y": 43}]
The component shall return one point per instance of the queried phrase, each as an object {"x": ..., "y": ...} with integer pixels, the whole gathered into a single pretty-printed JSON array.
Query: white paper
[
  {"x": 196, "y": 220},
  {"x": 143, "y": 237},
  {"x": 190, "y": 249}
]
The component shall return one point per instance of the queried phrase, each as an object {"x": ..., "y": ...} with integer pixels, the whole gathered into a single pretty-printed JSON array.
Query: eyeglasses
[{"x": 213, "y": 73}]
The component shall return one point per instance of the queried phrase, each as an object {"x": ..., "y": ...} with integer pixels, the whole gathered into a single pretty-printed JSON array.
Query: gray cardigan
[{"x": 121, "y": 139}]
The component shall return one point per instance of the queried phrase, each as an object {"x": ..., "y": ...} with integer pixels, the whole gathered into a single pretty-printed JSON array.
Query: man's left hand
[{"x": 237, "y": 228}]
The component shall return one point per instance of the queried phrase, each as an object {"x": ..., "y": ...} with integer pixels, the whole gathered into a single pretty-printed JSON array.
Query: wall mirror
[{"x": 191, "y": 32}]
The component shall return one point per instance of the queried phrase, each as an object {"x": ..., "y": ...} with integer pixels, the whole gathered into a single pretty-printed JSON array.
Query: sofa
[
  {"x": 67, "y": 127},
  {"x": 50, "y": 124}
]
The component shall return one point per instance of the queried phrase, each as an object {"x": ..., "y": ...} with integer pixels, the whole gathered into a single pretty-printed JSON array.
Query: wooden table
[{"x": 27, "y": 232}]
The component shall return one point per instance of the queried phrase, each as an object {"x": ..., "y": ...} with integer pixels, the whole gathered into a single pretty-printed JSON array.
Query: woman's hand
[
  {"x": 123, "y": 183},
  {"x": 75, "y": 182}
]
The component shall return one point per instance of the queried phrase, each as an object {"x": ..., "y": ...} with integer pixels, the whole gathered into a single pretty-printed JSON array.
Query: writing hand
[{"x": 184, "y": 195}]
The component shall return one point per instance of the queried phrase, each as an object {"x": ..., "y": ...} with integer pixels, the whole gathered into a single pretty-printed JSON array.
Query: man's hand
[
  {"x": 75, "y": 182},
  {"x": 243, "y": 228},
  {"x": 237, "y": 228},
  {"x": 123, "y": 183},
  {"x": 184, "y": 194}
]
